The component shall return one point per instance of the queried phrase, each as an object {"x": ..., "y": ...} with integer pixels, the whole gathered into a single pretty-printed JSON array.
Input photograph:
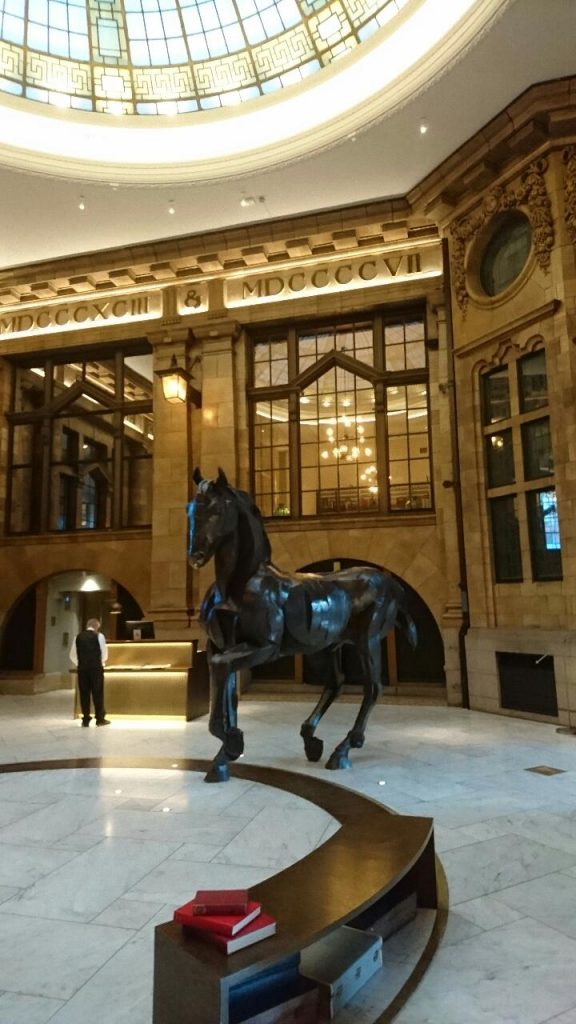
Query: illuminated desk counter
[{"x": 155, "y": 677}]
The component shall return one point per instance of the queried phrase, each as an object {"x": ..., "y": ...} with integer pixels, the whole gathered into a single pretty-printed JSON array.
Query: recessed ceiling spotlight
[
  {"x": 423, "y": 128},
  {"x": 171, "y": 207},
  {"x": 81, "y": 203},
  {"x": 247, "y": 201}
]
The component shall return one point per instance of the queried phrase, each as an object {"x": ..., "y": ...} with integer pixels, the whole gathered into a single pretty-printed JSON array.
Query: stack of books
[{"x": 226, "y": 917}]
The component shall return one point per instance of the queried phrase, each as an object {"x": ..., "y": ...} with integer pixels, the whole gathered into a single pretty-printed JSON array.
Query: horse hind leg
[
  {"x": 370, "y": 660},
  {"x": 327, "y": 666}
]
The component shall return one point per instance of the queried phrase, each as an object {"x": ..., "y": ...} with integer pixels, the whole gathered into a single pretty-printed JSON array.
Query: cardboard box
[{"x": 341, "y": 963}]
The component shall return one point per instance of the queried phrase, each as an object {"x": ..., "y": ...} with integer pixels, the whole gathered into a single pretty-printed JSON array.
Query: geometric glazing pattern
[{"x": 174, "y": 56}]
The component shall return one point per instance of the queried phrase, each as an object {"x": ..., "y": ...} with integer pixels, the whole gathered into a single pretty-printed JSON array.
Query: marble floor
[{"x": 91, "y": 860}]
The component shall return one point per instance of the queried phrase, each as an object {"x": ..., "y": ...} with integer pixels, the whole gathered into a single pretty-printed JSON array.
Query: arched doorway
[
  {"x": 39, "y": 627},
  {"x": 401, "y": 665}
]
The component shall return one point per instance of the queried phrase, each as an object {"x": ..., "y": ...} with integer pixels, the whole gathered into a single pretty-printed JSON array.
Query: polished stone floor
[{"x": 91, "y": 860}]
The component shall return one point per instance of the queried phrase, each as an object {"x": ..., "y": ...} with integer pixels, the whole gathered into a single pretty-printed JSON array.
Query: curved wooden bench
[{"x": 373, "y": 861}]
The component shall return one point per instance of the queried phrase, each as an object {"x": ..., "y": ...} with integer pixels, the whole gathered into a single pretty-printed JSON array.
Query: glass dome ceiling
[{"x": 174, "y": 56}]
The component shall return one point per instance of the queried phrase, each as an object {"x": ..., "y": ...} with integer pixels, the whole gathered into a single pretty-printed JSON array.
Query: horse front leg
[
  {"x": 327, "y": 665},
  {"x": 371, "y": 661},
  {"x": 223, "y": 721}
]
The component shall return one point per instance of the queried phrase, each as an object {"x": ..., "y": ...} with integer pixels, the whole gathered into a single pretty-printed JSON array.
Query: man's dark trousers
[{"x": 90, "y": 674}]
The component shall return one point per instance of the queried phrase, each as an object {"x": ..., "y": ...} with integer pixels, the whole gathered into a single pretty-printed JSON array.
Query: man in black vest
[{"x": 89, "y": 653}]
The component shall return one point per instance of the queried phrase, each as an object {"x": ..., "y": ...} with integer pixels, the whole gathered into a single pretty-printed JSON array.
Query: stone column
[
  {"x": 170, "y": 598},
  {"x": 218, "y": 444}
]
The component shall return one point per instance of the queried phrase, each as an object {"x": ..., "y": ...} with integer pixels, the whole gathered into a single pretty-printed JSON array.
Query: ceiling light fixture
[
  {"x": 423, "y": 128},
  {"x": 171, "y": 207},
  {"x": 81, "y": 204},
  {"x": 247, "y": 201}
]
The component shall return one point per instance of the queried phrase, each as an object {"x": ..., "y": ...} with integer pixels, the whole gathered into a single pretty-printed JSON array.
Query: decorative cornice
[
  {"x": 532, "y": 195},
  {"x": 569, "y": 158},
  {"x": 261, "y": 247}
]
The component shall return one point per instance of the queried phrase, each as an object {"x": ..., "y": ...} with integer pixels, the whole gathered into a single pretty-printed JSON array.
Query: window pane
[
  {"x": 537, "y": 448},
  {"x": 102, "y": 373},
  {"x": 404, "y": 346},
  {"x": 270, "y": 363},
  {"x": 496, "y": 396},
  {"x": 506, "y": 539},
  {"x": 357, "y": 341},
  {"x": 29, "y": 389},
  {"x": 337, "y": 445},
  {"x": 21, "y": 504},
  {"x": 138, "y": 378},
  {"x": 500, "y": 459},
  {"x": 85, "y": 440},
  {"x": 312, "y": 345},
  {"x": 67, "y": 374},
  {"x": 408, "y": 448},
  {"x": 271, "y": 457},
  {"x": 26, "y": 444},
  {"x": 81, "y": 471},
  {"x": 506, "y": 253},
  {"x": 64, "y": 444},
  {"x": 544, "y": 529},
  {"x": 64, "y": 495},
  {"x": 532, "y": 381}
]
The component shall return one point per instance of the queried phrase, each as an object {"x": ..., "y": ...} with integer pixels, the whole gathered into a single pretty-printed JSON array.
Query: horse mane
[{"x": 252, "y": 546}]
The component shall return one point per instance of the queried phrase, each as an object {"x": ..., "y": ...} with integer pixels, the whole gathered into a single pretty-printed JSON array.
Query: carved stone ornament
[
  {"x": 569, "y": 158},
  {"x": 532, "y": 196}
]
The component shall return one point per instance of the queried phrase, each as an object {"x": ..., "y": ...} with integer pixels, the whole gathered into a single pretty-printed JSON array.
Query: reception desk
[{"x": 156, "y": 678}]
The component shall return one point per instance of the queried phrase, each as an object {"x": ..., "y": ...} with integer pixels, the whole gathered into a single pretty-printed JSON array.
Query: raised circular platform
[{"x": 373, "y": 862}]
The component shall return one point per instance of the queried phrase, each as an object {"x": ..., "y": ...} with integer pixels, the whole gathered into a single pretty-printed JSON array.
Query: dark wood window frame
[
  {"x": 523, "y": 486},
  {"x": 376, "y": 374},
  {"x": 52, "y": 407}
]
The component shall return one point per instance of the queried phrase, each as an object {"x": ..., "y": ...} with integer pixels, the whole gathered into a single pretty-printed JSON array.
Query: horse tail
[{"x": 407, "y": 625}]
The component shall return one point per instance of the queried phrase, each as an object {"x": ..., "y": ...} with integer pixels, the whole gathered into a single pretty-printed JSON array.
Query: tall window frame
[
  {"x": 339, "y": 415},
  {"x": 78, "y": 421},
  {"x": 519, "y": 469}
]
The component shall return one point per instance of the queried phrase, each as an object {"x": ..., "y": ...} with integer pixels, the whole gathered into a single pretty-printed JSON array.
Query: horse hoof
[
  {"x": 357, "y": 740},
  {"x": 338, "y": 761},
  {"x": 313, "y": 748},
  {"x": 217, "y": 773}
]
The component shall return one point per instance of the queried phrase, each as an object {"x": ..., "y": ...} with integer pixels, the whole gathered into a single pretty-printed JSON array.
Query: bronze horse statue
[{"x": 254, "y": 613}]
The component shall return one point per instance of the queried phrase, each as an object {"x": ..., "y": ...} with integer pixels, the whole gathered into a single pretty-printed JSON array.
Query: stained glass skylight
[{"x": 174, "y": 56}]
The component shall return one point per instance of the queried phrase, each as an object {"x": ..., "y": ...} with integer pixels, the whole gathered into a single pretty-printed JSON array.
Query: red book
[
  {"x": 223, "y": 924},
  {"x": 262, "y": 927},
  {"x": 219, "y": 901}
]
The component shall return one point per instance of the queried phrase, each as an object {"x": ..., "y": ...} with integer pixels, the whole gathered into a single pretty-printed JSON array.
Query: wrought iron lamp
[{"x": 176, "y": 384}]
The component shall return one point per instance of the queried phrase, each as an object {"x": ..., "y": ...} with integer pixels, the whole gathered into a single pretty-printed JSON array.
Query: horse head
[{"x": 212, "y": 516}]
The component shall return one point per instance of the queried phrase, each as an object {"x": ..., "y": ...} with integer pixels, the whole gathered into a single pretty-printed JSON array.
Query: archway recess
[
  {"x": 401, "y": 665},
  {"x": 39, "y": 627}
]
